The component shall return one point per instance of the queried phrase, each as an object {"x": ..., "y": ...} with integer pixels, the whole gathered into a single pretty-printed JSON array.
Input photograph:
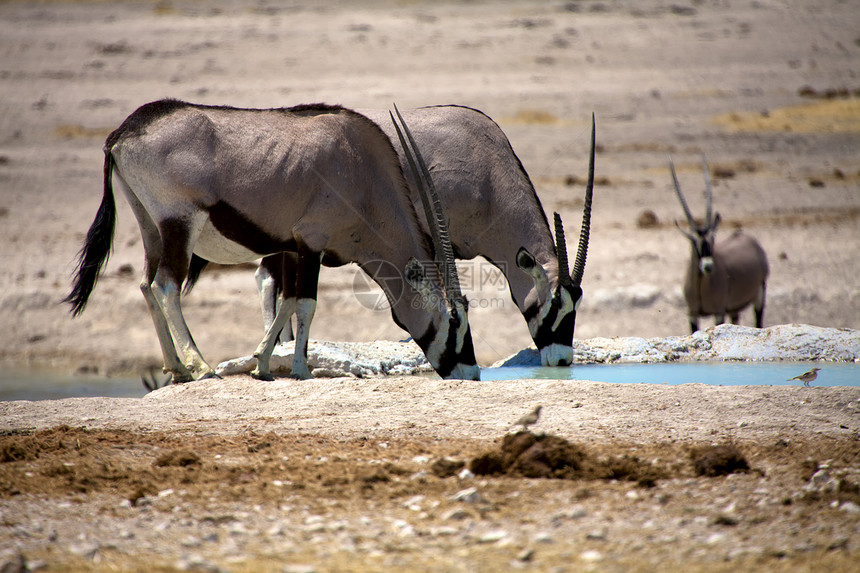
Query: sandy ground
[{"x": 767, "y": 89}]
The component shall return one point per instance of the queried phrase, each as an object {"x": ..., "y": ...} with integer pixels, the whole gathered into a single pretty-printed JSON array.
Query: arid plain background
[
  {"x": 743, "y": 82},
  {"x": 766, "y": 89}
]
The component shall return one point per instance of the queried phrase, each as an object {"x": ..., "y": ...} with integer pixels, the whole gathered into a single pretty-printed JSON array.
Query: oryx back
[{"x": 231, "y": 185}]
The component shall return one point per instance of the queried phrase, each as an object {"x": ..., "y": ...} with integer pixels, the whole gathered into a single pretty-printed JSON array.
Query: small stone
[
  {"x": 591, "y": 556},
  {"x": 455, "y": 515},
  {"x": 596, "y": 535},
  {"x": 526, "y": 555},
  {"x": 493, "y": 536},
  {"x": 850, "y": 507},
  {"x": 298, "y": 568},
  {"x": 13, "y": 561},
  {"x": 715, "y": 538},
  {"x": 445, "y": 530},
  {"x": 468, "y": 495},
  {"x": 414, "y": 502},
  {"x": 87, "y": 551},
  {"x": 543, "y": 537},
  {"x": 465, "y": 474}
]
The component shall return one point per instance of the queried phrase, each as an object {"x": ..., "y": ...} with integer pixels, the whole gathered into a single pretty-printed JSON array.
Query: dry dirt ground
[{"x": 767, "y": 89}]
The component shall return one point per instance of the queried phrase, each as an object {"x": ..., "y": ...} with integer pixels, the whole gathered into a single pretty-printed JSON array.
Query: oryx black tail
[{"x": 97, "y": 246}]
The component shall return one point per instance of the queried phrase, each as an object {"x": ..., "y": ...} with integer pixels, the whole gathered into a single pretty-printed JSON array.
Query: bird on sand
[
  {"x": 529, "y": 419},
  {"x": 806, "y": 377}
]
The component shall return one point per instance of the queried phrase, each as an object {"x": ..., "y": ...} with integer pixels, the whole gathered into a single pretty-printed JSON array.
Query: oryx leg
[
  {"x": 176, "y": 240},
  {"x": 307, "y": 281},
  {"x": 758, "y": 306},
  {"x": 276, "y": 280},
  {"x": 694, "y": 322},
  {"x": 152, "y": 252},
  {"x": 263, "y": 354}
]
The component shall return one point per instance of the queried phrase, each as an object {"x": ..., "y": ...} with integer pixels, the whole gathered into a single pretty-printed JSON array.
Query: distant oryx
[
  {"x": 493, "y": 212},
  {"x": 231, "y": 185},
  {"x": 723, "y": 277}
]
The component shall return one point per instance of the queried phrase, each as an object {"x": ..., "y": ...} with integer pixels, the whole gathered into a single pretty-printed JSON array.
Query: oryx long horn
[
  {"x": 584, "y": 231},
  {"x": 708, "y": 212},
  {"x": 435, "y": 216},
  {"x": 561, "y": 248},
  {"x": 681, "y": 196}
]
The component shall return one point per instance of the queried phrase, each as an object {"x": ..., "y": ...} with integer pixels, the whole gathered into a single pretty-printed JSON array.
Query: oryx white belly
[{"x": 215, "y": 247}]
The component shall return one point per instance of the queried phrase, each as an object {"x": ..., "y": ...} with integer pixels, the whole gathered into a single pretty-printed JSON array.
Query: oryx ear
[
  {"x": 716, "y": 222},
  {"x": 684, "y": 231},
  {"x": 527, "y": 263},
  {"x": 415, "y": 276}
]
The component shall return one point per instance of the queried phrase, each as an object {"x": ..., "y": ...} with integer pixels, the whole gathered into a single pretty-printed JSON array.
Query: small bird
[
  {"x": 529, "y": 419},
  {"x": 806, "y": 377}
]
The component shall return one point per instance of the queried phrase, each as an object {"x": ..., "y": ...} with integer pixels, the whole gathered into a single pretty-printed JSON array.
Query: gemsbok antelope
[
  {"x": 721, "y": 278},
  {"x": 231, "y": 185},
  {"x": 493, "y": 212}
]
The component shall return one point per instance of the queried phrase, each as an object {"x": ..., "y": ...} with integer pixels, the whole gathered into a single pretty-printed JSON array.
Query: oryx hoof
[
  {"x": 180, "y": 377},
  {"x": 264, "y": 376},
  {"x": 207, "y": 374},
  {"x": 151, "y": 381},
  {"x": 301, "y": 374}
]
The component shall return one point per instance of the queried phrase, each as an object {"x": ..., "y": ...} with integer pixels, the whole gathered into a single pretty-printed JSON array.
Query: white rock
[
  {"x": 465, "y": 473},
  {"x": 493, "y": 536},
  {"x": 591, "y": 556},
  {"x": 468, "y": 495},
  {"x": 729, "y": 342},
  {"x": 336, "y": 359}
]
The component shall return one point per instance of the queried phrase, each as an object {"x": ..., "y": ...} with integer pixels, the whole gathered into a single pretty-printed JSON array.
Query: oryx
[
  {"x": 723, "y": 277},
  {"x": 493, "y": 212},
  {"x": 232, "y": 185}
]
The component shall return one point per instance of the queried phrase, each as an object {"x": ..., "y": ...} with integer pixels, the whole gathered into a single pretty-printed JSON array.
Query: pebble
[
  {"x": 87, "y": 551},
  {"x": 591, "y": 556},
  {"x": 468, "y": 495},
  {"x": 465, "y": 474},
  {"x": 850, "y": 507},
  {"x": 526, "y": 555},
  {"x": 543, "y": 537},
  {"x": 493, "y": 536},
  {"x": 298, "y": 568},
  {"x": 414, "y": 502}
]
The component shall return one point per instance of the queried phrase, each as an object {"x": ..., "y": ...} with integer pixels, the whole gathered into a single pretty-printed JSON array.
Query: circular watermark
[{"x": 367, "y": 290}]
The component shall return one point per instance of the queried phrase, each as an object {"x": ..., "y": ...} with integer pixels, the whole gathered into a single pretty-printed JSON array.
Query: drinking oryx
[
  {"x": 723, "y": 277},
  {"x": 232, "y": 185},
  {"x": 493, "y": 212}
]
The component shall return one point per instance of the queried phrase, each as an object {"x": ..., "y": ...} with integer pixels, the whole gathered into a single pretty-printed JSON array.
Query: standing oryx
[
  {"x": 723, "y": 277},
  {"x": 232, "y": 185},
  {"x": 493, "y": 212}
]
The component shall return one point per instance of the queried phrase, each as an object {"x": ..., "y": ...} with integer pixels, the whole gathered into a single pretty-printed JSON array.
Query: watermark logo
[
  {"x": 483, "y": 284},
  {"x": 367, "y": 292}
]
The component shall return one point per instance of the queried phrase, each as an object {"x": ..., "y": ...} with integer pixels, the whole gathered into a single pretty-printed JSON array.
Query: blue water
[
  {"x": 20, "y": 384},
  {"x": 17, "y": 384},
  {"x": 716, "y": 373}
]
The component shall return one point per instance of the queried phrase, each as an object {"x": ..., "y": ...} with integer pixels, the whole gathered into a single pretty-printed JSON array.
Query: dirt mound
[{"x": 529, "y": 455}]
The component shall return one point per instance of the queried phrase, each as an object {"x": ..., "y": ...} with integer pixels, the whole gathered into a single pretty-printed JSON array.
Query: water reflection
[{"x": 715, "y": 373}]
